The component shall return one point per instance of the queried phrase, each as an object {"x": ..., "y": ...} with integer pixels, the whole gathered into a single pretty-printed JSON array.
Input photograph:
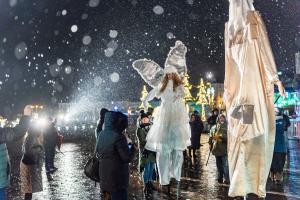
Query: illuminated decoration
[
  {"x": 201, "y": 98},
  {"x": 219, "y": 102},
  {"x": 210, "y": 95},
  {"x": 116, "y": 108},
  {"x": 188, "y": 96},
  {"x": 36, "y": 107},
  {"x": 144, "y": 95},
  {"x": 2, "y": 122},
  {"x": 290, "y": 100},
  {"x": 129, "y": 111}
]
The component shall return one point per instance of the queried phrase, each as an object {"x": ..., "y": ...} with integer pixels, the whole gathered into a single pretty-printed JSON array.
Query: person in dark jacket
[
  {"x": 50, "y": 143},
  {"x": 287, "y": 124},
  {"x": 196, "y": 130},
  {"x": 280, "y": 151},
  {"x": 147, "y": 158},
  {"x": 212, "y": 120},
  {"x": 115, "y": 151},
  {"x": 218, "y": 147},
  {"x": 10, "y": 135}
]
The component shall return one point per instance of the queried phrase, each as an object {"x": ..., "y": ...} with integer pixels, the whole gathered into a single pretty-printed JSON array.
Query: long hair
[{"x": 176, "y": 82}]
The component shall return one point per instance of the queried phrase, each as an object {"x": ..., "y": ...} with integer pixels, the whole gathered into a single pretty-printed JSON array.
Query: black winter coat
[
  {"x": 113, "y": 153},
  {"x": 196, "y": 130},
  {"x": 50, "y": 137}
]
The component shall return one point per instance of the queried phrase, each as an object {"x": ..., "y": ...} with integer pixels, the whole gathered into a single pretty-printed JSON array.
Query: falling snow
[
  {"x": 114, "y": 77},
  {"x": 158, "y": 10},
  {"x": 86, "y": 40},
  {"x": 64, "y": 50},
  {"x": 113, "y": 33},
  {"x": 21, "y": 50},
  {"x": 94, "y": 3},
  {"x": 74, "y": 28}
]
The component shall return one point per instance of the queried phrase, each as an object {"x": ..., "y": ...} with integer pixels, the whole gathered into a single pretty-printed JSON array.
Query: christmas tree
[
  {"x": 219, "y": 102},
  {"x": 202, "y": 98},
  {"x": 144, "y": 95},
  {"x": 188, "y": 96}
]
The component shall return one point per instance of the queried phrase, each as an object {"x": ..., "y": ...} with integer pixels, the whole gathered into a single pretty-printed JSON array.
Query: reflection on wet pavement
[{"x": 198, "y": 180}]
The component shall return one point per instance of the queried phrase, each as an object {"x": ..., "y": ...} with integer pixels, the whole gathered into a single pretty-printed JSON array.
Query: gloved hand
[
  {"x": 217, "y": 137},
  {"x": 281, "y": 88}
]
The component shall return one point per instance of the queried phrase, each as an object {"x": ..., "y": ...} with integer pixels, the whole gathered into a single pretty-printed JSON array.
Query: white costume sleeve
[{"x": 151, "y": 95}]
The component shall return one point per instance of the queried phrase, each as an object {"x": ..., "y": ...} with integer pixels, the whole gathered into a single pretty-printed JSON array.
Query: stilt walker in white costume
[
  {"x": 250, "y": 76},
  {"x": 170, "y": 133}
]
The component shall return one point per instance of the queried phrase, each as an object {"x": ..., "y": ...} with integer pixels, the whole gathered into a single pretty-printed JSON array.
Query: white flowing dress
[
  {"x": 170, "y": 133},
  {"x": 170, "y": 129}
]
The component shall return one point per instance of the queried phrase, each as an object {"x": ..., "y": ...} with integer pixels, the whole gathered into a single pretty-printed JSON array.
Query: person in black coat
[
  {"x": 114, "y": 152},
  {"x": 50, "y": 143},
  {"x": 196, "y": 130},
  {"x": 212, "y": 120}
]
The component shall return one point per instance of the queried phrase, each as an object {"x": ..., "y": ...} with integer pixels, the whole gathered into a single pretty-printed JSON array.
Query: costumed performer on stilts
[
  {"x": 250, "y": 76},
  {"x": 170, "y": 133}
]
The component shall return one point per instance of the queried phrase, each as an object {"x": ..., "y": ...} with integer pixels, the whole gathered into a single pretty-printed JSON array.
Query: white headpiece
[
  {"x": 152, "y": 73},
  {"x": 238, "y": 10},
  {"x": 169, "y": 69}
]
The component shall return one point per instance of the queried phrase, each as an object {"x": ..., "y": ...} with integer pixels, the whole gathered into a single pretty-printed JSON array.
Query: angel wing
[
  {"x": 176, "y": 58},
  {"x": 149, "y": 70}
]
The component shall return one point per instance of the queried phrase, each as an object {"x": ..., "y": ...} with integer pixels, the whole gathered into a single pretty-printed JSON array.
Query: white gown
[
  {"x": 170, "y": 133},
  {"x": 170, "y": 129}
]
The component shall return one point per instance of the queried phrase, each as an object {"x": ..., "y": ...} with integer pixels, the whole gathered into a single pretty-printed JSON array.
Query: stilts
[{"x": 178, "y": 190}]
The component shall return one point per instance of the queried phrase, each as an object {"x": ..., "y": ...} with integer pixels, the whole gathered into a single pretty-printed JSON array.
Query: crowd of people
[
  {"x": 162, "y": 142},
  {"x": 39, "y": 145}
]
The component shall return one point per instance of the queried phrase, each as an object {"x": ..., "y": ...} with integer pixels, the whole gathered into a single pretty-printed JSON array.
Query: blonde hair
[{"x": 176, "y": 82}]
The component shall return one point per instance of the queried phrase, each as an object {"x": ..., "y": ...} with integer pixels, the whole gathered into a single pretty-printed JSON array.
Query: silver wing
[
  {"x": 176, "y": 58},
  {"x": 149, "y": 70}
]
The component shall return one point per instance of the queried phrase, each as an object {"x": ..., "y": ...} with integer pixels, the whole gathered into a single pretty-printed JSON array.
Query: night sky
[{"x": 55, "y": 51}]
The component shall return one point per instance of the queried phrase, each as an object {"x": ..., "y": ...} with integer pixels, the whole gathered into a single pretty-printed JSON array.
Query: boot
[
  {"x": 28, "y": 196},
  {"x": 146, "y": 189},
  {"x": 151, "y": 186},
  {"x": 49, "y": 177},
  {"x": 194, "y": 154},
  {"x": 166, "y": 189}
]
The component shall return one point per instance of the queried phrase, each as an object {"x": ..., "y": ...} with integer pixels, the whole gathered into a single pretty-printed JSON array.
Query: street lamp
[{"x": 209, "y": 75}]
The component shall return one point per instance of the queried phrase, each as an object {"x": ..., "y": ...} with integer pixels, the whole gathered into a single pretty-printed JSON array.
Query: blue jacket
[
  {"x": 9, "y": 135},
  {"x": 280, "y": 145}
]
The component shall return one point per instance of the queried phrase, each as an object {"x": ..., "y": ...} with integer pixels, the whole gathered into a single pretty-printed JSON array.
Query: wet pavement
[{"x": 198, "y": 180}]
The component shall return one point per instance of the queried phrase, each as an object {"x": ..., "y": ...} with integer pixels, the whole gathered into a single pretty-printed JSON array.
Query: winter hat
[
  {"x": 169, "y": 69},
  {"x": 143, "y": 115}
]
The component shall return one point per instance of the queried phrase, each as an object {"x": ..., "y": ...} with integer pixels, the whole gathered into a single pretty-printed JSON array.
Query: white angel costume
[
  {"x": 170, "y": 133},
  {"x": 250, "y": 75}
]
